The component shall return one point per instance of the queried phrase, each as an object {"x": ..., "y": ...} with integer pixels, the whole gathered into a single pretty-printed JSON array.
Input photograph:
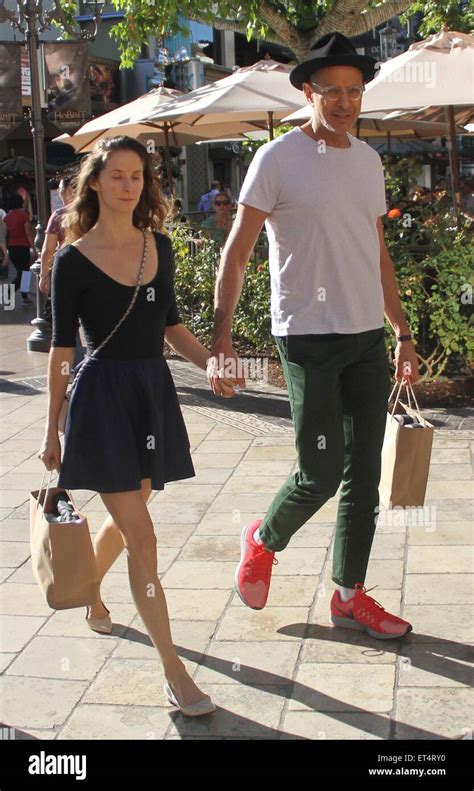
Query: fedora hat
[{"x": 333, "y": 49}]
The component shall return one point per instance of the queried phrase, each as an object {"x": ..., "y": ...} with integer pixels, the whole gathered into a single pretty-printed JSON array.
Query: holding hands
[{"x": 223, "y": 371}]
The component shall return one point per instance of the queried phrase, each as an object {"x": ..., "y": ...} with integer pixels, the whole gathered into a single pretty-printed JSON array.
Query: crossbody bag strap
[{"x": 135, "y": 294}]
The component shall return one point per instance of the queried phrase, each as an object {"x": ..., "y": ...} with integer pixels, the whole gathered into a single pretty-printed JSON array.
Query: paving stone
[
  {"x": 435, "y": 665},
  {"x": 116, "y": 722},
  {"x": 196, "y": 574},
  {"x": 242, "y": 712},
  {"x": 272, "y": 623},
  {"x": 432, "y": 623},
  {"x": 190, "y": 638},
  {"x": 318, "y": 725},
  {"x": 438, "y": 588},
  {"x": 343, "y": 687},
  {"x": 38, "y": 702},
  {"x": 288, "y": 591},
  {"x": 71, "y": 623},
  {"x": 61, "y": 658},
  {"x": 257, "y": 662},
  {"x": 22, "y": 599},
  {"x": 450, "y": 718},
  {"x": 130, "y": 682},
  {"x": 13, "y": 553},
  {"x": 444, "y": 534},
  {"x": 196, "y": 605},
  {"x": 432, "y": 559}
]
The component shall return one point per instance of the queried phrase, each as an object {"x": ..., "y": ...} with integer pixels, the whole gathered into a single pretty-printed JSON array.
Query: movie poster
[
  {"x": 67, "y": 83},
  {"x": 104, "y": 81},
  {"x": 11, "y": 107}
]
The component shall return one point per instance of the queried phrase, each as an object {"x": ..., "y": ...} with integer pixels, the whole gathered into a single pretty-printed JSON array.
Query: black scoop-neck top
[{"x": 80, "y": 290}]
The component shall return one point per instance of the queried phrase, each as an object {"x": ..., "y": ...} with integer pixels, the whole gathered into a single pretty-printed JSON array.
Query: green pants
[{"x": 338, "y": 386}]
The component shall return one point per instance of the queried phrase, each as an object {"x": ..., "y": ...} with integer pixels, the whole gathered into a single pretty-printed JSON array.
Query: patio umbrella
[
  {"x": 123, "y": 121},
  {"x": 106, "y": 125},
  {"x": 20, "y": 166},
  {"x": 437, "y": 73},
  {"x": 378, "y": 125},
  {"x": 463, "y": 115},
  {"x": 406, "y": 146},
  {"x": 253, "y": 97}
]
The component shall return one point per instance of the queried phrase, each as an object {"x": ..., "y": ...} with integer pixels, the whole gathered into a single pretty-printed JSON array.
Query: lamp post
[
  {"x": 388, "y": 42},
  {"x": 178, "y": 62},
  {"x": 30, "y": 19}
]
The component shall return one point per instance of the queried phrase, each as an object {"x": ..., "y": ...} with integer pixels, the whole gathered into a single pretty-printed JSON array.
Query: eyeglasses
[
  {"x": 221, "y": 202},
  {"x": 333, "y": 94}
]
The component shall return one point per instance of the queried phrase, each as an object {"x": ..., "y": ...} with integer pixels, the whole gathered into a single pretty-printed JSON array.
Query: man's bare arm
[
  {"x": 405, "y": 351},
  {"x": 230, "y": 277}
]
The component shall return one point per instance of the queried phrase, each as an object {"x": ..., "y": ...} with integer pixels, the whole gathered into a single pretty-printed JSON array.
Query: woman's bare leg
[
  {"x": 108, "y": 545},
  {"x": 132, "y": 518}
]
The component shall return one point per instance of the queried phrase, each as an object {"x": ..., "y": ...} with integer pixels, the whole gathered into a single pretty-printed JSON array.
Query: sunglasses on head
[{"x": 221, "y": 202}]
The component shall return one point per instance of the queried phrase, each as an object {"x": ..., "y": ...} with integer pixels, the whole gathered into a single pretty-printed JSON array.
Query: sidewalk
[{"x": 279, "y": 673}]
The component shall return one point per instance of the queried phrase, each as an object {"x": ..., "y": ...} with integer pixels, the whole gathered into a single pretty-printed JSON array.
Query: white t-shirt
[{"x": 324, "y": 246}]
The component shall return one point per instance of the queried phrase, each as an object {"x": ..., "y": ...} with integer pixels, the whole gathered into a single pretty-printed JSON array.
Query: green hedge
[{"x": 434, "y": 266}]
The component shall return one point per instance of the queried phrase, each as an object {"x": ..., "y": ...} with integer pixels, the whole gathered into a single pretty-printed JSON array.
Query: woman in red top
[{"x": 19, "y": 241}]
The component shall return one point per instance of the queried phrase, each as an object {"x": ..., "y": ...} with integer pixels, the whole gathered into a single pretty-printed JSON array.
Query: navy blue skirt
[{"x": 124, "y": 424}]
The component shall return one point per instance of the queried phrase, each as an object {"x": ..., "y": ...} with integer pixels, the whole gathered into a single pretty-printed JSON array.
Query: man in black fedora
[{"x": 320, "y": 192}]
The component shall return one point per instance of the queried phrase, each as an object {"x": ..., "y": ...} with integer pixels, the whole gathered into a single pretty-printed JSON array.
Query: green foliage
[
  {"x": 433, "y": 261},
  {"x": 195, "y": 277},
  {"x": 165, "y": 17},
  {"x": 453, "y": 14}
]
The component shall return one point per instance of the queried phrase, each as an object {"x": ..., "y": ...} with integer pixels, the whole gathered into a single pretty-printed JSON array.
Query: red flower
[
  {"x": 394, "y": 214},
  {"x": 260, "y": 268}
]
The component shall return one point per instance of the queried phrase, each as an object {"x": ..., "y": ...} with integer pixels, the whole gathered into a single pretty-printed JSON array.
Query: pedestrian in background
[{"x": 20, "y": 241}]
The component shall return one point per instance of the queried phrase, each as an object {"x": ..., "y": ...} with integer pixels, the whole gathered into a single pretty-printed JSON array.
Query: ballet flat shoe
[
  {"x": 198, "y": 709},
  {"x": 102, "y": 625}
]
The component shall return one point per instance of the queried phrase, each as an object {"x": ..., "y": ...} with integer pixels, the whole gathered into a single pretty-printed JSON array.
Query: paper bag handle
[
  {"x": 68, "y": 492},
  {"x": 410, "y": 393},
  {"x": 400, "y": 385}
]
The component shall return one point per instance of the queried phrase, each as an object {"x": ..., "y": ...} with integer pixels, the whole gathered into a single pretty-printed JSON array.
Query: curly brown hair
[{"x": 82, "y": 213}]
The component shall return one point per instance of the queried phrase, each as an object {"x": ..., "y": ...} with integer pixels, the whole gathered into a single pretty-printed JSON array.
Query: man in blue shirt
[{"x": 206, "y": 200}]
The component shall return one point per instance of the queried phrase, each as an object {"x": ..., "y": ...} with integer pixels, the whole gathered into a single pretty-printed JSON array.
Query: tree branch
[
  {"x": 340, "y": 18},
  {"x": 295, "y": 40},
  {"x": 235, "y": 26},
  {"x": 366, "y": 20}
]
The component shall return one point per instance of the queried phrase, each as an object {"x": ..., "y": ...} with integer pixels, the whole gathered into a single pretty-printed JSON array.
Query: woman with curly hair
[{"x": 125, "y": 435}]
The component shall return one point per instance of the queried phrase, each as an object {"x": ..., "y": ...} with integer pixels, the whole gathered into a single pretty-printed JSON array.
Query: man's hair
[{"x": 215, "y": 185}]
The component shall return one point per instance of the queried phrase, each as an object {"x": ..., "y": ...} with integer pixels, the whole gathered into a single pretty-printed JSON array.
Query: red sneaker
[
  {"x": 253, "y": 574},
  {"x": 363, "y": 613}
]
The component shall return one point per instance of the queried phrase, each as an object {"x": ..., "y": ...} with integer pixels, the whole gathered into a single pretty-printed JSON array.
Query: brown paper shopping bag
[
  {"x": 406, "y": 455},
  {"x": 62, "y": 555}
]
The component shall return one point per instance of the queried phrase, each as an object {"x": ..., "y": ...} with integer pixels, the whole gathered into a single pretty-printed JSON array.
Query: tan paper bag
[
  {"x": 406, "y": 456},
  {"x": 62, "y": 555}
]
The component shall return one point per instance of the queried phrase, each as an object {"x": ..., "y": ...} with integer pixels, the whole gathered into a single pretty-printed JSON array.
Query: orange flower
[
  {"x": 260, "y": 268},
  {"x": 394, "y": 214}
]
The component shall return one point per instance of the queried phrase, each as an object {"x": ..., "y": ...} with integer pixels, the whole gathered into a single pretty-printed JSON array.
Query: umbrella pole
[
  {"x": 389, "y": 152},
  {"x": 270, "y": 125},
  {"x": 169, "y": 166},
  {"x": 453, "y": 161}
]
